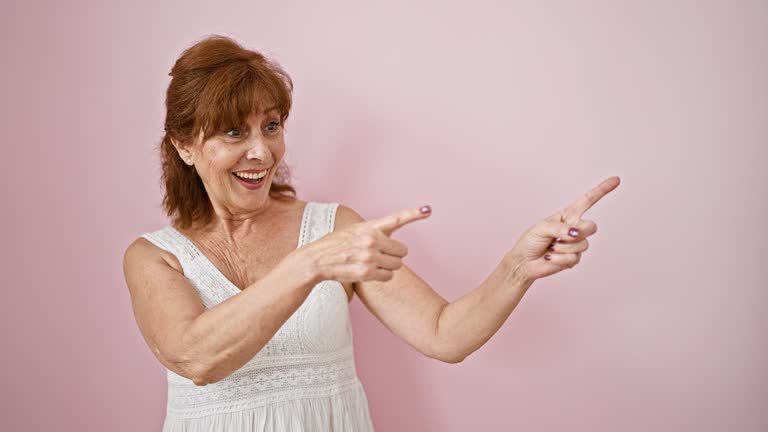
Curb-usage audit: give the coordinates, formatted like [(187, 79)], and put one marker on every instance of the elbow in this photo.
[(194, 371), (447, 356), (201, 380), (453, 359), (199, 372), (204, 377), (191, 364), (198, 375), (442, 347)]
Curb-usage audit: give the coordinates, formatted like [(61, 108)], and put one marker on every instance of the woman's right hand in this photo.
[(362, 251)]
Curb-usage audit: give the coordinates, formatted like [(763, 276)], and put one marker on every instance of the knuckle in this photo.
[(369, 240), (366, 256), (369, 271), (360, 269), (346, 257)]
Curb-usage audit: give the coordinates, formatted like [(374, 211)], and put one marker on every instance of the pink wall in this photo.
[(660, 327)]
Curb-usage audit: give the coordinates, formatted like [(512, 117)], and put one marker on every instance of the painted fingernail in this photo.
[(573, 232), (426, 209), (547, 257)]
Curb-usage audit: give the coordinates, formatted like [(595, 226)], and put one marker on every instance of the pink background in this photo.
[(496, 114)]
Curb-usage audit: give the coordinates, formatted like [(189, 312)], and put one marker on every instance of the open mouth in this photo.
[(251, 180)]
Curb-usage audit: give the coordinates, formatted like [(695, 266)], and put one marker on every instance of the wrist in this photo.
[(515, 270), (303, 263)]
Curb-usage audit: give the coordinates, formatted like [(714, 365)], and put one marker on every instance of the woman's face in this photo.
[(254, 148)]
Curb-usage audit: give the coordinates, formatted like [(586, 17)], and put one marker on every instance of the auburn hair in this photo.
[(216, 84)]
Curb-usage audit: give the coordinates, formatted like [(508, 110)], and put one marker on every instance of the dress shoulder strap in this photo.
[(169, 240), (320, 220)]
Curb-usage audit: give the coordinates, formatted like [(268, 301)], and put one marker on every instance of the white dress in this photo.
[(304, 379)]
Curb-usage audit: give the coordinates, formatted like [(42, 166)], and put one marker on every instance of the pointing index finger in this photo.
[(391, 223), (586, 201)]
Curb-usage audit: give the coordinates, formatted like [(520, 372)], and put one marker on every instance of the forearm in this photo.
[(468, 323), (225, 337)]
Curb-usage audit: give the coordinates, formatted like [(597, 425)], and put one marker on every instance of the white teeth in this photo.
[(253, 176)]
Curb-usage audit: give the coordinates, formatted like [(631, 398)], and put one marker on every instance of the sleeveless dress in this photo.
[(304, 379)]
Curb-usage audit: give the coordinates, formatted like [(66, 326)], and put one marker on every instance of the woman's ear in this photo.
[(184, 153)]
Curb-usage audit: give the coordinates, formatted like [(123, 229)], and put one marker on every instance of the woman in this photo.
[(244, 297)]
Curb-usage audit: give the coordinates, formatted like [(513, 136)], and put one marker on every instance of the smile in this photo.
[(251, 176), (251, 181)]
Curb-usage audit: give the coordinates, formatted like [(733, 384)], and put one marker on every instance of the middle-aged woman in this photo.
[(244, 296)]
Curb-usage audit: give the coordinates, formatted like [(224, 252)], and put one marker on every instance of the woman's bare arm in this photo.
[(411, 309), (450, 331), (208, 345)]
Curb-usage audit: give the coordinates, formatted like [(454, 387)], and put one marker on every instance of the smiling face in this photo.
[(247, 150)]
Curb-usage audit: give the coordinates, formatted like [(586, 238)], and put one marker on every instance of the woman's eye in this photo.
[(237, 135), (273, 126)]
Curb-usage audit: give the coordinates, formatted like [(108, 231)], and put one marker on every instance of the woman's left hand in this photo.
[(548, 246)]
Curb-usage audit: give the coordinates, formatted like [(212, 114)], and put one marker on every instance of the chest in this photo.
[(248, 262), (252, 259)]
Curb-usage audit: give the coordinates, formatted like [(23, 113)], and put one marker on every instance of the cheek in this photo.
[(279, 149), (218, 157)]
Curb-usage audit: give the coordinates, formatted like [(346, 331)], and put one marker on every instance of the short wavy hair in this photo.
[(216, 84)]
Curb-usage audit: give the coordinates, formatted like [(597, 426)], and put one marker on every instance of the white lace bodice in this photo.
[(310, 357)]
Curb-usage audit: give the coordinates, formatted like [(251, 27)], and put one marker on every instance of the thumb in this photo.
[(393, 222)]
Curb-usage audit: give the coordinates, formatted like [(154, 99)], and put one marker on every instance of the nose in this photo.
[(258, 149)]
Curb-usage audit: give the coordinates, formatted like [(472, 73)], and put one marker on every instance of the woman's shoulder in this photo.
[(346, 215), (143, 250)]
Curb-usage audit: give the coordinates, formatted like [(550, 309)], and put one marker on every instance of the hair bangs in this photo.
[(235, 93)]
